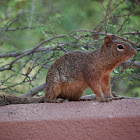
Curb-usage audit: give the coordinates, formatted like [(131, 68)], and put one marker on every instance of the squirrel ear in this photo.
[(107, 40), (113, 37)]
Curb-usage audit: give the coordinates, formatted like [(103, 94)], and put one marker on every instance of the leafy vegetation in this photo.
[(26, 25)]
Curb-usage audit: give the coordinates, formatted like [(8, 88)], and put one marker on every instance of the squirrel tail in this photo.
[(11, 99)]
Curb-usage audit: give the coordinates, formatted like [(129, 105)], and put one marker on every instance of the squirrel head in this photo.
[(118, 50)]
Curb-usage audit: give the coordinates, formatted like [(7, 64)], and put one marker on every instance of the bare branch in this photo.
[(104, 18), (15, 54), (41, 49), (29, 52), (127, 18), (93, 97), (131, 33), (34, 91)]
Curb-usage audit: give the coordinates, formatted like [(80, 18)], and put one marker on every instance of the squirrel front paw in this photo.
[(103, 99)]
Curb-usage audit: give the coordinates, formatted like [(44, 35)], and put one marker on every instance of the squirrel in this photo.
[(75, 71)]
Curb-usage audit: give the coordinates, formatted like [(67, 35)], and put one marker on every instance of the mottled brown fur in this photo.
[(73, 72)]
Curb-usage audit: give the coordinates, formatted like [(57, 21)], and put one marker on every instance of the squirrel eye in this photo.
[(120, 47)]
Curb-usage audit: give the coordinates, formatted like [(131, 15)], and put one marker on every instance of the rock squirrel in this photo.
[(75, 71)]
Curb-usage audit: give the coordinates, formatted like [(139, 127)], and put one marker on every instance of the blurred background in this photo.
[(24, 24)]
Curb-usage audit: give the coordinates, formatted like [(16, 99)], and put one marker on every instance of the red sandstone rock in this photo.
[(116, 120)]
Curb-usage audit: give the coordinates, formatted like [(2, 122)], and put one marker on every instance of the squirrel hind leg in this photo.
[(51, 93)]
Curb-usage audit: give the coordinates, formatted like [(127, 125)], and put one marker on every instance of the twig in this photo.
[(128, 41), (127, 18), (107, 15), (34, 91), (131, 33), (93, 97), (41, 49), (29, 52)]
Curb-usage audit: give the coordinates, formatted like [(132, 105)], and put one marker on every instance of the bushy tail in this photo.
[(11, 99)]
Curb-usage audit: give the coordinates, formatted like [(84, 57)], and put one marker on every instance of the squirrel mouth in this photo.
[(134, 52), (130, 57)]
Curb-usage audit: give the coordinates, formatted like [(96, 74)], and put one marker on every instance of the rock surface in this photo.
[(87, 120)]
